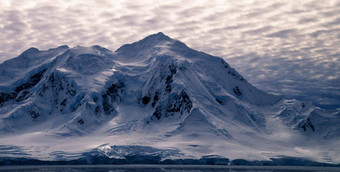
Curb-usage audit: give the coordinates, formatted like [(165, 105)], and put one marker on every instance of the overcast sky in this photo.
[(289, 47)]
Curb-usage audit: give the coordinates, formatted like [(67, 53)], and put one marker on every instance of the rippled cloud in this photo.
[(283, 47)]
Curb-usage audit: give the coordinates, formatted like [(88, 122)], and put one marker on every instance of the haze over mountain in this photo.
[(157, 98)]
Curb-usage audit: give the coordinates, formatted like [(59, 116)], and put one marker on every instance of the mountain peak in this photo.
[(160, 33), (155, 39), (145, 44), (160, 36), (31, 50)]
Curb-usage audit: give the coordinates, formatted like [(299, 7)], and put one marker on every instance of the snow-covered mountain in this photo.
[(154, 97)]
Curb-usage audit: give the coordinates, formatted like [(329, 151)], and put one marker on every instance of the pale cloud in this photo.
[(284, 47)]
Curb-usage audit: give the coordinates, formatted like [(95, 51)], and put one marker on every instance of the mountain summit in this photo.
[(156, 97)]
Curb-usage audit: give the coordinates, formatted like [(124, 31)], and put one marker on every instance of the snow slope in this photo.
[(152, 97)]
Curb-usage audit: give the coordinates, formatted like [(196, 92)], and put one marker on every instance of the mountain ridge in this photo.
[(157, 92)]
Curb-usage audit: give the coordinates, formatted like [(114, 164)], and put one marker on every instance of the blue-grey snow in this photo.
[(153, 97)]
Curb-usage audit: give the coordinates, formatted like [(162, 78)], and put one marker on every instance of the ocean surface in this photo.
[(167, 168)]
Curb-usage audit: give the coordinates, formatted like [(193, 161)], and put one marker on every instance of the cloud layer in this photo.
[(283, 47)]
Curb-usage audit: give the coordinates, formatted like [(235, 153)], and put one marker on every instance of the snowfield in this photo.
[(155, 100)]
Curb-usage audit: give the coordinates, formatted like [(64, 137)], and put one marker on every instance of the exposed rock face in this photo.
[(22, 91), (308, 125), (112, 95), (179, 103)]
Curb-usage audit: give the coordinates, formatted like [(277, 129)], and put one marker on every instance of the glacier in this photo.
[(152, 101)]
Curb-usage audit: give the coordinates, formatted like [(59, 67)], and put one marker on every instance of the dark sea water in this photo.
[(165, 168)]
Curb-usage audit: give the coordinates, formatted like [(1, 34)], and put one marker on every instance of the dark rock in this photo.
[(308, 124), (168, 83), (52, 79), (173, 69), (115, 90), (237, 91), (179, 103), (158, 113), (80, 121), (169, 78), (31, 82), (34, 114), (146, 99), (232, 73), (219, 101), (225, 65), (22, 96), (4, 97), (22, 89), (155, 99), (63, 103), (107, 107), (97, 110), (71, 92), (76, 107), (112, 95)]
